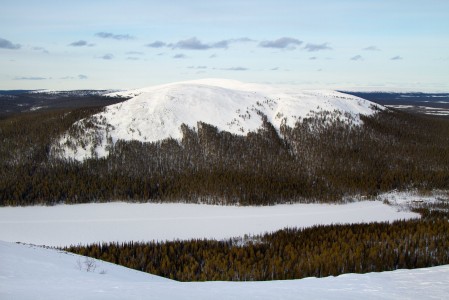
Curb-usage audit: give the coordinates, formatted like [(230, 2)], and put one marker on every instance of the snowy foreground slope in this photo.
[(157, 113), (30, 272), (64, 225)]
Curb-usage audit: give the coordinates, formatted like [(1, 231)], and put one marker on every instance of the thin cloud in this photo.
[(235, 69), (109, 35), (30, 78), (274, 69), (397, 57), (190, 44), (80, 76), (195, 44), (356, 58), (281, 43), (134, 53), (241, 40), (371, 48), (5, 44), (81, 43), (107, 56), (213, 55), (224, 44), (156, 44), (179, 56), (41, 49), (317, 47), (132, 58), (313, 58), (197, 67)]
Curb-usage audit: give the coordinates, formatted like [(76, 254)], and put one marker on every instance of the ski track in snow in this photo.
[(63, 225), (30, 272)]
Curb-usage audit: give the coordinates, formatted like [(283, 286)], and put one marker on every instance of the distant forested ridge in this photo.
[(321, 159), (16, 101), (436, 100)]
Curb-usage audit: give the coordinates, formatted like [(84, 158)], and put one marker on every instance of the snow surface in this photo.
[(63, 225), (30, 272), (405, 200), (157, 113)]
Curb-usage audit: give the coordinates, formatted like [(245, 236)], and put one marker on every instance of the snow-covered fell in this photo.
[(157, 113), (30, 272)]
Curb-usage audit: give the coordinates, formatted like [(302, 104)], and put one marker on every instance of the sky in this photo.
[(112, 44)]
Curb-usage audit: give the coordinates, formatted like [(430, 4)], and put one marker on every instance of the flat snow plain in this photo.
[(64, 225), (29, 272)]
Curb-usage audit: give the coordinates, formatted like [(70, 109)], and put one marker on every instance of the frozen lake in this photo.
[(63, 225)]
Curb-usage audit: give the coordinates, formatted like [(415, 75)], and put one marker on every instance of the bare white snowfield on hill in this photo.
[(30, 272), (157, 112), (63, 225)]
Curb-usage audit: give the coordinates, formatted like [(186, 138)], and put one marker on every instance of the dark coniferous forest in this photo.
[(322, 159)]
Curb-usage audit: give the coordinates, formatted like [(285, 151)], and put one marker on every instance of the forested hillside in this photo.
[(321, 159)]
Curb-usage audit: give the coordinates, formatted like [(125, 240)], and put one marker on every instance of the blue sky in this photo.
[(347, 44)]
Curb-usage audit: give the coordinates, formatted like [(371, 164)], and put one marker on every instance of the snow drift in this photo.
[(29, 272)]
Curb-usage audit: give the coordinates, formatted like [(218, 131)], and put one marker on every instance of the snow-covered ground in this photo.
[(405, 200), (29, 272), (32, 272), (63, 225), (157, 112)]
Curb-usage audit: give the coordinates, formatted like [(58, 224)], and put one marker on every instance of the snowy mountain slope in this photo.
[(30, 272), (157, 112)]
